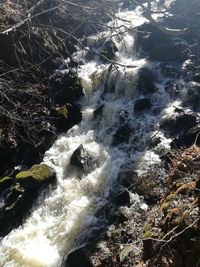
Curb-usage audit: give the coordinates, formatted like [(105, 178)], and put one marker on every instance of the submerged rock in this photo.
[(82, 159), (109, 50), (142, 104), (122, 134), (36, 176), (146, 80)]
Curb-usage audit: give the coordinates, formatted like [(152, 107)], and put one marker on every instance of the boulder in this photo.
[(169, 52), (99, 111), (108, 51), (82, 159), (146, 79), (142, 104), (122, 198), (66, 116), (178, 124), (78, 258), (193, 95), (64, 87), (16, 202), (5, 182), (122, 134), (36, 176), (158, 45)]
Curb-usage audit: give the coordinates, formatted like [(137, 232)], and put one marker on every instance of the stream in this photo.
[(65, 214)]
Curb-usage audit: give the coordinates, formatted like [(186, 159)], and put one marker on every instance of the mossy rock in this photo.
[(63, 111), (5, 182), (38, 174)]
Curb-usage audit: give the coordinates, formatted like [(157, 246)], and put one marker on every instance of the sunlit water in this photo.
[(51, 230)]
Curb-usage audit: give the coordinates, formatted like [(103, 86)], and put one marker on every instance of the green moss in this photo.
[(5, 179), (40, 172), (148, 234), (62, 111)]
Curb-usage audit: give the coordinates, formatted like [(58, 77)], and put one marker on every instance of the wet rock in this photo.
[(99, 111), (154, 141), (159, 45), (109, 50), (122, 134), (149, 36), (78, 258), (193, 95), (170, 70), (66, 116), (122, 198), (36, 176), (180, 123), (64, 87), (146, 80), (169, 52), (82, 159), (188, 139), (123, 116), (15, 204), (196, 77), (5, 182), (142, 104)]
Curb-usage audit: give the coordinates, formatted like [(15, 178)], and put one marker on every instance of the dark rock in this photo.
[(180, 123), (66, 116), (122, 198), (78, 258), (99, 111), (170, 71), (16, 202), (142, 104), (168, 52), (149, 36), (154, 141), (64, 87), (193, 95), (109, 50), (159, 45), (122, 135), (196, 77), (82, 159), (123, 116), (188, 139), (5, 183), (146, 80)]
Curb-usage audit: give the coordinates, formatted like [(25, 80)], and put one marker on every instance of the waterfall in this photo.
[(66, 209)]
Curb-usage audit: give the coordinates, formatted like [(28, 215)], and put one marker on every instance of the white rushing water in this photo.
[(52, 228)]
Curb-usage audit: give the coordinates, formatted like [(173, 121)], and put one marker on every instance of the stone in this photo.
[(122, 134), (193, 95), (142, 104), (122, 198), (99, 111), (109, 50), (146, 80), (78, 258), (179, 123), (5, 182), (82, 159), (64, 87), (66, 116), (36, 176)]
